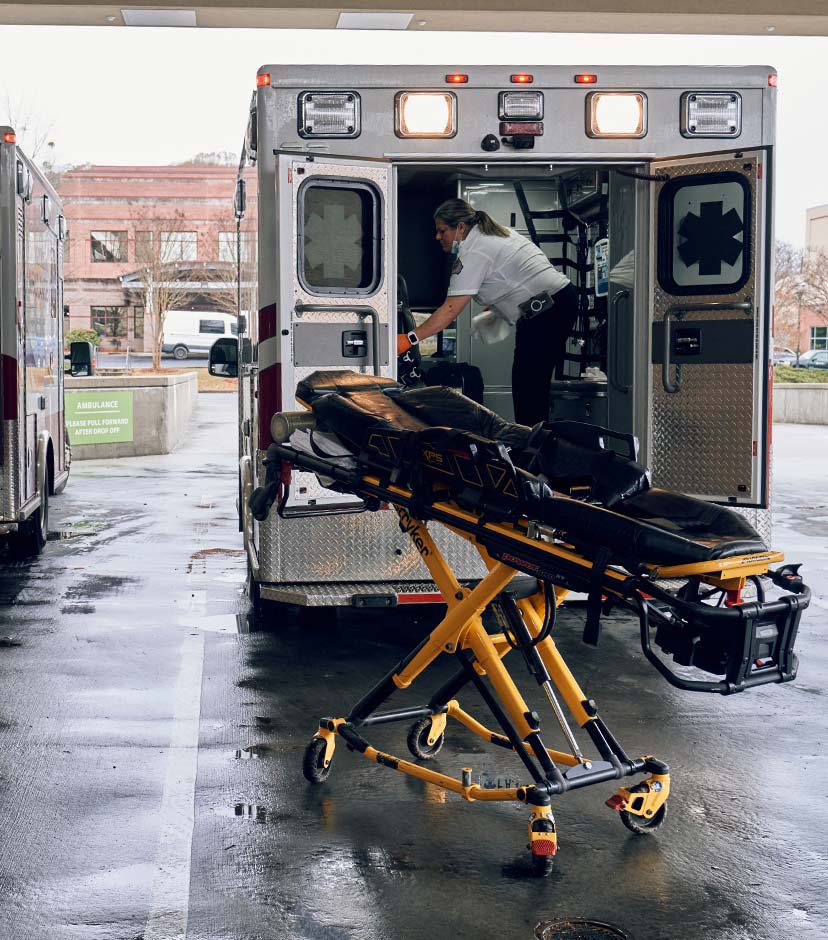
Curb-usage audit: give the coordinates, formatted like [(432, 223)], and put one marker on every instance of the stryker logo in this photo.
[(411, 527)]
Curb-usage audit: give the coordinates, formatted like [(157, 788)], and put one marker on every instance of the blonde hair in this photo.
[(454, 211)]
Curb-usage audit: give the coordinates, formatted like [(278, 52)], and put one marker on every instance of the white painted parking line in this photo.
[(171, 884)]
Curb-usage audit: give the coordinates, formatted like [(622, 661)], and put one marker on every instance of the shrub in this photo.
[(789, 374), (83, 336)]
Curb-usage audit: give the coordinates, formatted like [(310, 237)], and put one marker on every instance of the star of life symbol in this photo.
[(710, 238), (333, 241)]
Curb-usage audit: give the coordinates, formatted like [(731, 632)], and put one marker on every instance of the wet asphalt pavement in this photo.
[(152, 731)]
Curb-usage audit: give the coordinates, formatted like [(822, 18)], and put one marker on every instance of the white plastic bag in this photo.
[(489, 327)]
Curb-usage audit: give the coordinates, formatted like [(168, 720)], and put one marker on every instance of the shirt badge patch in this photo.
[(457, 267)]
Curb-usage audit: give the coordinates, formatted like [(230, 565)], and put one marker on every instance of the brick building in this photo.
[(120, 217), (813, 326)]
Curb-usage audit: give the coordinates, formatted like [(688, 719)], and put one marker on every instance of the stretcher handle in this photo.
[(362, 311), (284, 423), (678, 311)]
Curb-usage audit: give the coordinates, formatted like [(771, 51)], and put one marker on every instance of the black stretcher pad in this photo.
[(435, 434)]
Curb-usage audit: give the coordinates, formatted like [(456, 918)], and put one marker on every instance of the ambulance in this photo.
[(35, 452), (649, 187)]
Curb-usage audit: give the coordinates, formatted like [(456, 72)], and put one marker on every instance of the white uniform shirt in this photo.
[(502, 272)]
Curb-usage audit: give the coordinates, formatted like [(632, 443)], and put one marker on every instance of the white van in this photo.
[(193, 332)]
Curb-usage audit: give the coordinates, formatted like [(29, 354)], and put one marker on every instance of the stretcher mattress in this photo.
[(580, 479)]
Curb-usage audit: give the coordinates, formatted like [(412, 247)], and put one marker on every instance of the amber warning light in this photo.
[(9, 139), (586, 79), (263, 79), (521, 79), (457, 78)]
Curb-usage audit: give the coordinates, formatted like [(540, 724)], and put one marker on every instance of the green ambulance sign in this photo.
[(99, 417)]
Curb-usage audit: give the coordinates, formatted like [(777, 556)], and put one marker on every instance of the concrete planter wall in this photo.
[(161, 410), (805, 403)]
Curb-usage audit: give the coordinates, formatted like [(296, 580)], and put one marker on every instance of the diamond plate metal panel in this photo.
[(360, 547), (342, 593), (702, 438), (10, 486)]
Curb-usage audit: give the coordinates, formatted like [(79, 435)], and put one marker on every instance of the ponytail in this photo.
[(454, 211)]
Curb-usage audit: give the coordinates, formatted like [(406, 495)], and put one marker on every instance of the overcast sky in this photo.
[(156, 96)]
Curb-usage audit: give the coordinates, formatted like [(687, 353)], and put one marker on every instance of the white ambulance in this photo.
[(649, 187), (35, 453)]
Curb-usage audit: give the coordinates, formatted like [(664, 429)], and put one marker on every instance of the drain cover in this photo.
[(579, 930)]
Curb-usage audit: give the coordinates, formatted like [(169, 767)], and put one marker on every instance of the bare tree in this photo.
[(791, 291), (34, 134), (165, 251)]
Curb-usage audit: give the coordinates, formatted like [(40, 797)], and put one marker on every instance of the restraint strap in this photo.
[(592, 627)]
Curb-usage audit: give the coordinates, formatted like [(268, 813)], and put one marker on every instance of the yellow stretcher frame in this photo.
[(509, 547)]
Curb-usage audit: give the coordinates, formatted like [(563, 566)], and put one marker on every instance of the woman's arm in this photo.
[(442, 317)]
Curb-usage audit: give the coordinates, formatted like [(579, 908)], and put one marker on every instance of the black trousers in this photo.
[(540, 344)]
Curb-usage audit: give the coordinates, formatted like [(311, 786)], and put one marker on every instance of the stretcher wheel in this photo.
[(418, 740), (639, 824), (313, 764)]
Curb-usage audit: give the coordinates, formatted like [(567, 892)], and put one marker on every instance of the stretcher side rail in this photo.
[(749, 644)]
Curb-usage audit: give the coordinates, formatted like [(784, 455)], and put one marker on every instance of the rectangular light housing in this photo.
[(425, 114), (329, 114), (616, 114), (520, 105), (706, 114)]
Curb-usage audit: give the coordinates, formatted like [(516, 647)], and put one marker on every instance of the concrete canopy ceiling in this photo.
[(713, 17)]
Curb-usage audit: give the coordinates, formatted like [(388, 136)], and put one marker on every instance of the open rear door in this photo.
[(708, 429), (336, 255)]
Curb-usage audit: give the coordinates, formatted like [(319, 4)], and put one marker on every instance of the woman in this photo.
[(507, 272)]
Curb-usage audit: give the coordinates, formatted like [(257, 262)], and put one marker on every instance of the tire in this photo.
[(640, 825), (30, 538), (180, 352), (417, 740), (313, 764)]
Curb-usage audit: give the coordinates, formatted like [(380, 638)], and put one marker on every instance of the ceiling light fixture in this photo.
[(159, 17)]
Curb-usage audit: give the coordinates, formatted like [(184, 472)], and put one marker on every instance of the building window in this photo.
[(109, 246), (227, 246), (211, 326), (819, 337), (143, 246), (179, 246), (109, 321), (138, 322)]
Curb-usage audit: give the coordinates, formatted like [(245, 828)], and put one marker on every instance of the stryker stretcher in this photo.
[(566, 504)]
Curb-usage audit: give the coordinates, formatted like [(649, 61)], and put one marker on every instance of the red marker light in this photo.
[(586, 79), (263, 79), (9, 139), (773, 80), (457, 79), (521, 79)]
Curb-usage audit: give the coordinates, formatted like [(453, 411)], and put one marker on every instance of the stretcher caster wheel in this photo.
[(313, 766), (418, 740), (641, 825)]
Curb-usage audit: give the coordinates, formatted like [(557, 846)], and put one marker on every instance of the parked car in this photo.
[(814, 359), (193, 332), (782, 356)]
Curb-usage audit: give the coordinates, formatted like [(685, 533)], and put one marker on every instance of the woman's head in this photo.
[(455, 218)]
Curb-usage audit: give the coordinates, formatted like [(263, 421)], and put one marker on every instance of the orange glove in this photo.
[(403, 344)]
